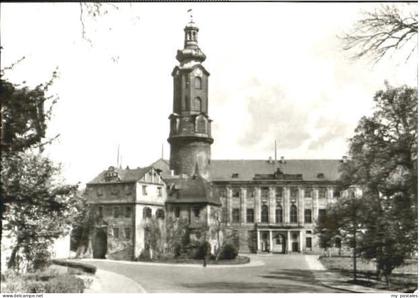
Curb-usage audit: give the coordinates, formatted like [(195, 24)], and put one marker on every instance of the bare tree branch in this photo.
[(381, 32)]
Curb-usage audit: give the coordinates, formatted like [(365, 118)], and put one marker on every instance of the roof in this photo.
[(223, 169), (124, 175), (190, 189), (310, 169)]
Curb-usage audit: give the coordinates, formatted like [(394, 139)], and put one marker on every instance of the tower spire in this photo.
[(191, 15)]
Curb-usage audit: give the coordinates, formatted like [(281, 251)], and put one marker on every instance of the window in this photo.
[(250, 215), (322, 214), (144, 188), (336, 193), (322, 192), (100, 211), (116, 232), (235, 193), (309, 242), (99, 191), (147, 212), (177, 212), (250, 192), (293, 214), (197, 83), (308, 192), (196, 211), (279, 192), (160, 214), (128, 211), (224, 214), (159, 190), (235, 215), (222, 192), (127, 233), (116, 212), (235, 175), (197, 104), (265, 192), (293, 193), (200, 125), (279, 214), (264, 213), (308, 216)]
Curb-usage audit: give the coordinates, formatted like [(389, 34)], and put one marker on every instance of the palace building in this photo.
[(266, 205)]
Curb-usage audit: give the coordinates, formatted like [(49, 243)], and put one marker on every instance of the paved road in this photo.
[(279, 274)]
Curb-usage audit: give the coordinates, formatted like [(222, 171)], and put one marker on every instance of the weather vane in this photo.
[(191, 15)]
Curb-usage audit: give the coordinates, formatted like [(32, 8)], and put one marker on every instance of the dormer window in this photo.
[(111, 174), (320, 176), (235, 175)]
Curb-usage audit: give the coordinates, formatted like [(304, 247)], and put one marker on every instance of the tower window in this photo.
[(201, 124), (197, 83), (197, 104)]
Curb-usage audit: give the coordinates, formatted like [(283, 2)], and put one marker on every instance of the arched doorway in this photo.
[(279, 243), (100, 243)]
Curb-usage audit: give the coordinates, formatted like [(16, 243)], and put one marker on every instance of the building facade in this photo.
[(267, 205), (122, 201)]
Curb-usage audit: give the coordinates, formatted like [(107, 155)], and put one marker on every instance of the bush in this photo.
[(228, 252), (202, 250), (85, 267), (42, 282), (65, 283)]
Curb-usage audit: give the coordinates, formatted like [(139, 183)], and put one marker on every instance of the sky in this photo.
[(277, 72)]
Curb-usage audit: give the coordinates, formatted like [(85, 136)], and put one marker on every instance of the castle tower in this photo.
[(190, 126)]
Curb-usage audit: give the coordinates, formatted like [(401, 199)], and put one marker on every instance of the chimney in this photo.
[(344, 158), (172, 172), (282, 159), (270, 159)]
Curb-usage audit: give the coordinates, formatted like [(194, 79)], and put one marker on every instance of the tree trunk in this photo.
[(12, 261), (354, 257)]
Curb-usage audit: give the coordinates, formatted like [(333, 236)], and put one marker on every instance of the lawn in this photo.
[(403, 279)]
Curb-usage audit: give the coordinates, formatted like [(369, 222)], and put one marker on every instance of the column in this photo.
[(301, 240), (289, 242), (271, 240), (243, 205), (257, 208), (315, 195), (301, 206), (286, 207), (229, 204), (272, 205), (258, 241), (330, 192)]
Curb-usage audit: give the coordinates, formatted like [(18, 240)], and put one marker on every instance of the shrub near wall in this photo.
[(42, 282)]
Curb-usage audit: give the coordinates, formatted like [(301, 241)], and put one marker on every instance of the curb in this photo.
[(250, 264)]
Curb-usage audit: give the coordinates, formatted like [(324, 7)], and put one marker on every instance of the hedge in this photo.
[(85, 267)]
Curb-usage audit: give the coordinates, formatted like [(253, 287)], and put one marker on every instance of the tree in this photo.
[(38, 209), (35, 205), (343, 220), (384, 31), (384, 165)]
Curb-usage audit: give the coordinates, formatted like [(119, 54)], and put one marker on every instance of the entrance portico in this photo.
[(279, 240)]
